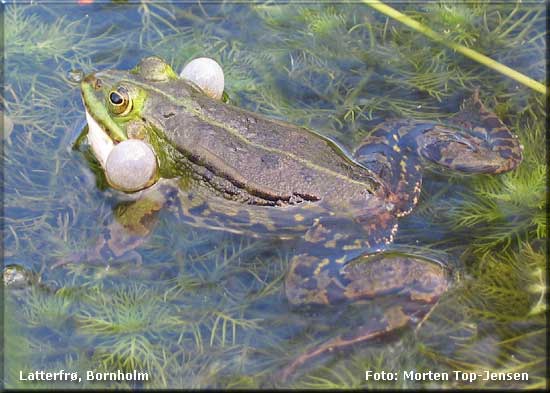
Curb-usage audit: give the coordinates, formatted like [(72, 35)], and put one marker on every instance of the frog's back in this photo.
[(270, 159)]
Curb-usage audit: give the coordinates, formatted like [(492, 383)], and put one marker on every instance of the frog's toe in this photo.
[(77, 257), (394, 318), (133, 257)]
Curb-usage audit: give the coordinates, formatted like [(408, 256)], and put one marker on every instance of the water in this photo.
[(207, 309)]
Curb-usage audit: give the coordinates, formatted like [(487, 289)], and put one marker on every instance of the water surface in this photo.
[(207, 309)]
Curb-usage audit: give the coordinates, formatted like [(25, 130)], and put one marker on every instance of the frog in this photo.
[(227, 168)]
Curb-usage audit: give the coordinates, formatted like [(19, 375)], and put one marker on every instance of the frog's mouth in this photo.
[(103, 131), (99, 140)]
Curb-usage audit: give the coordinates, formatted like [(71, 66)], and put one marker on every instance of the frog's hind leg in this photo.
[(415, 284), (395, 160), (330, 267), (394, 319), (475, 140), (316, 274)]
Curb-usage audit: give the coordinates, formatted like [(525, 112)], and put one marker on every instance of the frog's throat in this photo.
[(100, 142)]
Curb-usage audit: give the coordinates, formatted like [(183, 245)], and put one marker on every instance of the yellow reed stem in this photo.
[(472, 54)]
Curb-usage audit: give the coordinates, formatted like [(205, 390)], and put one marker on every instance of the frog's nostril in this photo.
[(93, 81)]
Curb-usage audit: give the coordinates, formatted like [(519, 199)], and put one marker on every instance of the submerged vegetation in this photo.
[(207, 309)]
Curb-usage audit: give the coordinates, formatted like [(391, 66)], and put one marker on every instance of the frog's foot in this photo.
[(394, 319), (476, 141), (415, 283), (94, 257), (132, 224), (77, 257)]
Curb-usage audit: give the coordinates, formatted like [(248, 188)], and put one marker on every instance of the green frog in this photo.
[(226, 168)]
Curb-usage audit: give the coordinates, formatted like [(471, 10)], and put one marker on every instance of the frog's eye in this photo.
[(119, 102)]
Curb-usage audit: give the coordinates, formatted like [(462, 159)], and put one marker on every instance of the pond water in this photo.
[(207, 309)]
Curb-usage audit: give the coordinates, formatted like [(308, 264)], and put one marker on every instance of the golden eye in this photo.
[(119, 102)]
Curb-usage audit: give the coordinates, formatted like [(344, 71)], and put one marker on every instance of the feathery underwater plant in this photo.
[(499, 212), (495, 320), (208, 312)]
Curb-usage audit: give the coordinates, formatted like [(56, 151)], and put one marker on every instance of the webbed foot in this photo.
[(416, 285), (394, 319), (131, 226), (475, 141), (94, 257)]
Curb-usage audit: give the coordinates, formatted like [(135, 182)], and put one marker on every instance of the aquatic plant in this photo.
[(154, 19), (43, 309), (501, 211), (127, 325), (451, 14), (44, 41), (502, 328), (39, 49), (207, 309), (17, 350)]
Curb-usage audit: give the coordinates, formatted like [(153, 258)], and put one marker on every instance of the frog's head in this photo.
[(114, 101)]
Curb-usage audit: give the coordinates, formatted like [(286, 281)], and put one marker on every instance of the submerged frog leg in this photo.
[(131, 226), (474, 140), (394, 319), (316, 270), (415, 284), (396, 162)]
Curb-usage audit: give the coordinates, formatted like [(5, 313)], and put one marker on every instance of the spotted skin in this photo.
[(394, 151), (415, 286), (342, 235), (473, 141)]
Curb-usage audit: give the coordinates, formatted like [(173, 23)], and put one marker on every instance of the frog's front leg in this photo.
[(131, 226), (415, 284)]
